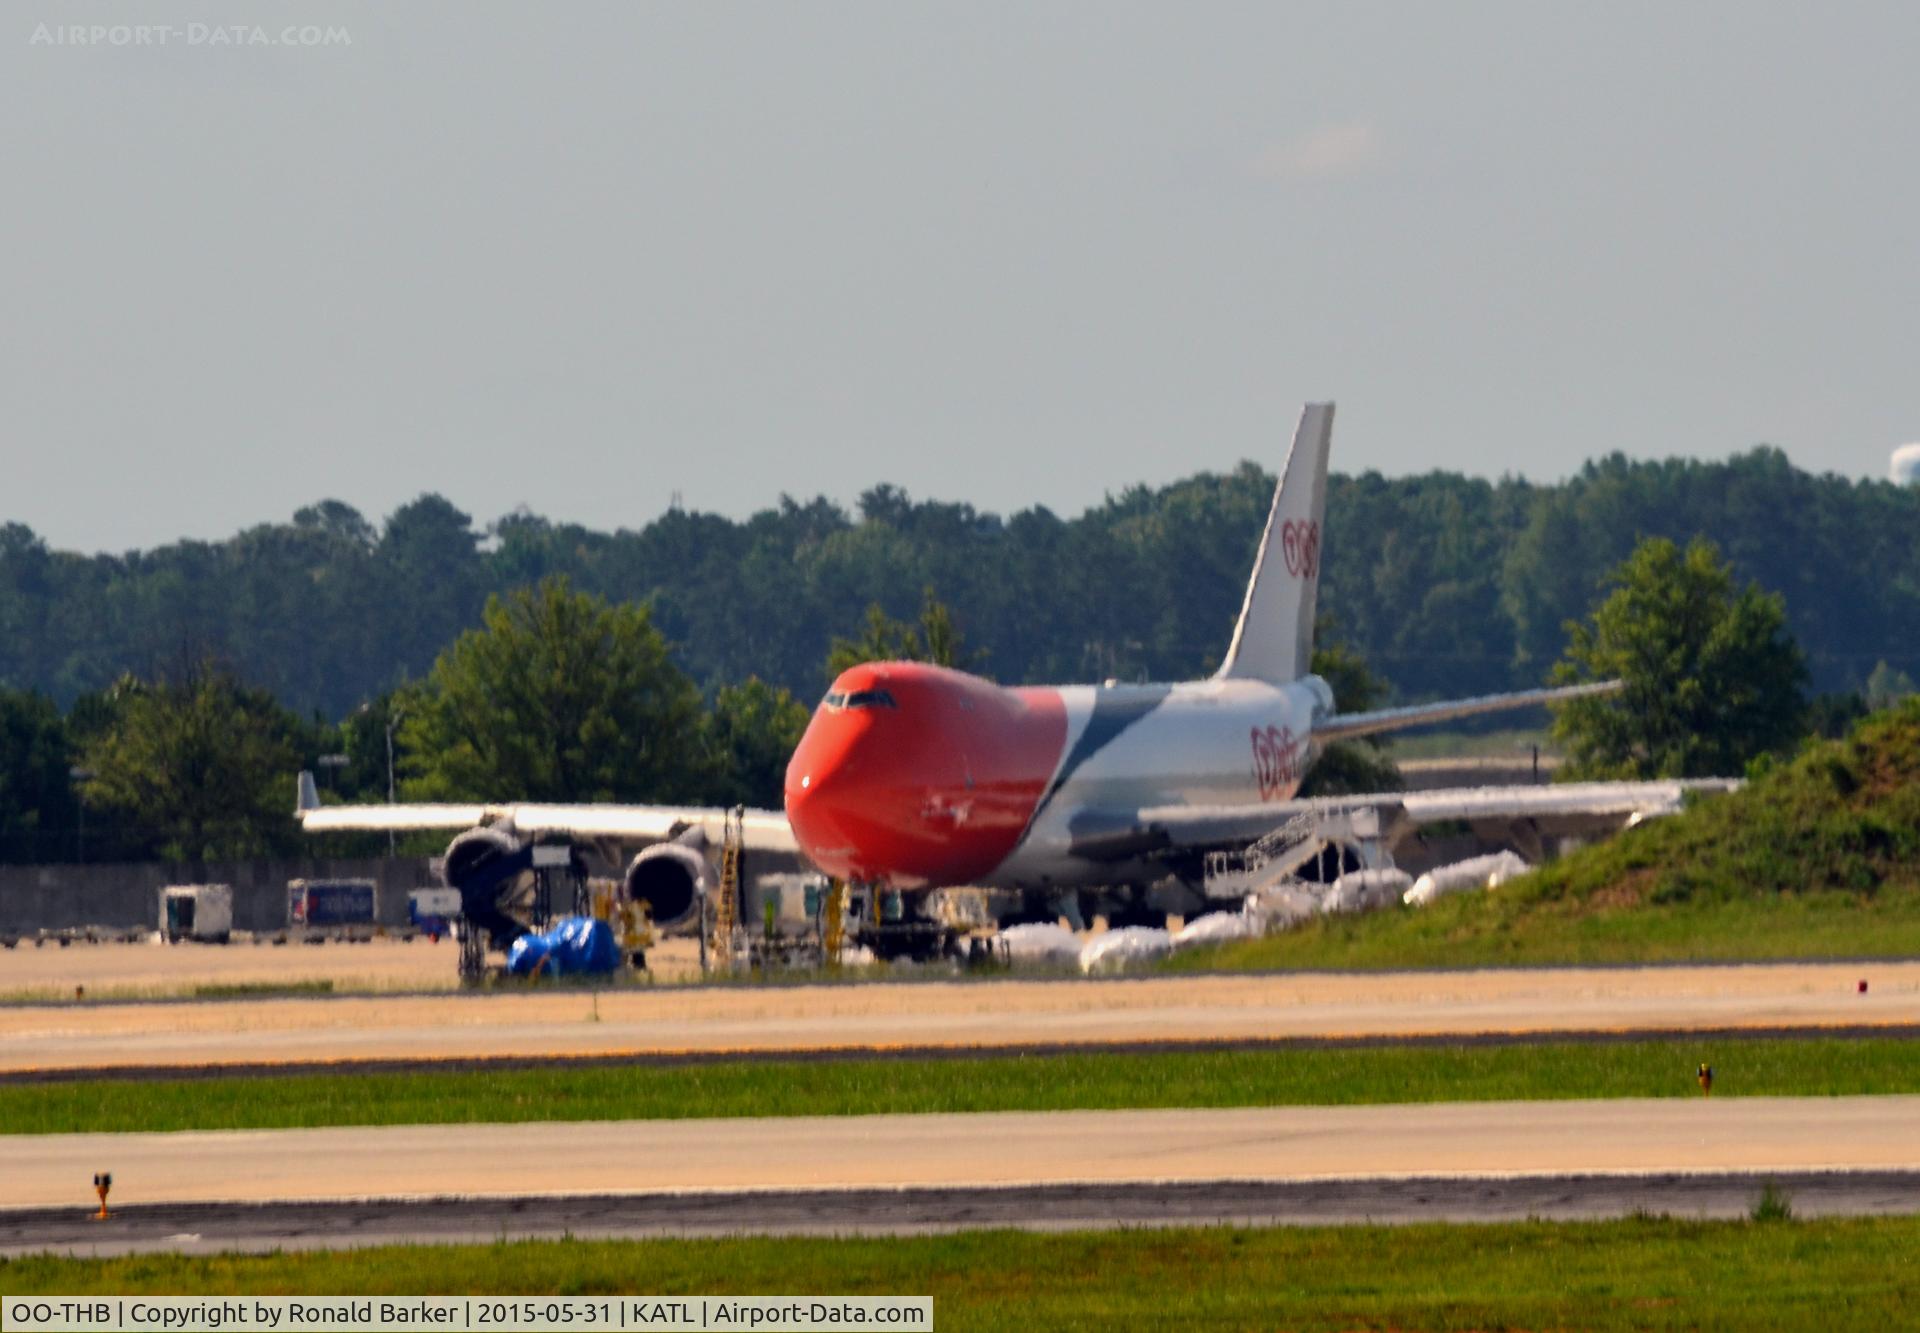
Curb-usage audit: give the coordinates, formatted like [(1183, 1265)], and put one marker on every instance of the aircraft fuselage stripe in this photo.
[(1114, 713)]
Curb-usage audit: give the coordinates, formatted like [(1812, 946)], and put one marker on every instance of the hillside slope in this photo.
[(1817, 857)]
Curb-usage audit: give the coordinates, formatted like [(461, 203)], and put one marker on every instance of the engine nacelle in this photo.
[(488, 866), (672, 878), (470, 850)]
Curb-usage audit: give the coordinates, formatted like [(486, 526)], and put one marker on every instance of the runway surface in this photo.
[(979, 1014), (213, 1228)]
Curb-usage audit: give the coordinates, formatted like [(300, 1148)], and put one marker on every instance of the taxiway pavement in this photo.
[(959, 1015), (1296, 1143)]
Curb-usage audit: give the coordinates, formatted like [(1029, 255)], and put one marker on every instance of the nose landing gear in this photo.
[(894, 925)]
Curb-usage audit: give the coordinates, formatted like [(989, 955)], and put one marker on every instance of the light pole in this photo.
[(78, 775), (393, 720)]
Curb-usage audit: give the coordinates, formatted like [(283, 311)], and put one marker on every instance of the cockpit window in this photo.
[(860, 699)]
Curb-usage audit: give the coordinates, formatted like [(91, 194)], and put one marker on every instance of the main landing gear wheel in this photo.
[(1137, 914), (919, 940)]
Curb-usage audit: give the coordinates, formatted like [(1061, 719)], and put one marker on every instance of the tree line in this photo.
[(1446, 585), (557, 696), (560, 696)]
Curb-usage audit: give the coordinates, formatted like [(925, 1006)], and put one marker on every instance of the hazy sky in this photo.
[(585, 257)]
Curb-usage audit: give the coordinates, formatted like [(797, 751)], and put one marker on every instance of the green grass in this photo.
[(1772, 1205), (259, 990), (1530, 922), (1308, 1076), (1636, 1273), (1818, 858)]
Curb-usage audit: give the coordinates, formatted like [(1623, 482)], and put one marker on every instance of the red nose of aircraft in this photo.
[(913, 775), (851, 778), (823, 797)]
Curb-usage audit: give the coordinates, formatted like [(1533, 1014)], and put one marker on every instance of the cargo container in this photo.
[(196, 912), (433, 910), (331, 907)]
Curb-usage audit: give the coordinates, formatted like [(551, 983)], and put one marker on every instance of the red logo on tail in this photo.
[(1276, 762), (1300, 543)]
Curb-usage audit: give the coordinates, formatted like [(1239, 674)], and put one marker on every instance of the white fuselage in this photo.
[(1132, 748)]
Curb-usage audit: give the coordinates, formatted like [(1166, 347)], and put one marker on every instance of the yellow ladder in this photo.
[(726, 908), (833, 927)]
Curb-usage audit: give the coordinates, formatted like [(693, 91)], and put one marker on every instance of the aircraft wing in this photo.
[(1343, 726), (1570, 806), (761, 830)]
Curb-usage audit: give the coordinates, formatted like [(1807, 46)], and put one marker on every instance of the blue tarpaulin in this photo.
[(576, 946)]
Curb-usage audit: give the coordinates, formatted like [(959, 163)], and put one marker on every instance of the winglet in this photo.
[(1274, 639), (307, 796)]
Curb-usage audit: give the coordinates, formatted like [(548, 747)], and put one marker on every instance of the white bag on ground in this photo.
[(1480, 872), (1513, 866), (1365, 890), (1283, 905), (1214, 928), (1119, 948), (1040, 942)]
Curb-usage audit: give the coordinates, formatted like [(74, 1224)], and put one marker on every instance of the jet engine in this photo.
[(470, 850), (493, 872), (673, 878)]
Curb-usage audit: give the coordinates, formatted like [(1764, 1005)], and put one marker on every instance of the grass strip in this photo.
[(257, 990), (1815, 858), (1307, 1076), (1524, 923), (1634, 1273)]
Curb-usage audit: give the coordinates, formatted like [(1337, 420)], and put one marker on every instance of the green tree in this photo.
[(1831, 716), (934, 639), (37, 799), (1712, 678), (1346, 768), (751, 733), (200, 767), (1887, 687), (559, 697), (362, 738), (1452, 586)]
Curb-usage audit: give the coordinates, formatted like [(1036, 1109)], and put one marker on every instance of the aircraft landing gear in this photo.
[(1138, 914), (898, 927), (922, 941)]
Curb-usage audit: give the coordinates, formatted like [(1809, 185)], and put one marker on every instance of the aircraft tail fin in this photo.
[(306, 795), (1274, 639)]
